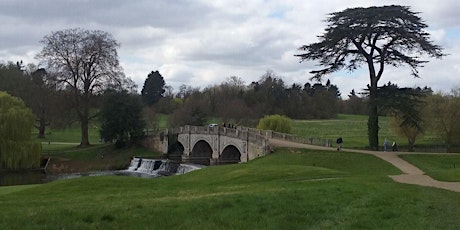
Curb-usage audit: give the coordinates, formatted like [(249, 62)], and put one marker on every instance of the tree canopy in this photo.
[(374, 37), (86, 63), (17, 150), (121, 117)]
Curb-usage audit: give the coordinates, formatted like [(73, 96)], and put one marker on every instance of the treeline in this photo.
[(415, 111), (49, 103), (233, 101)]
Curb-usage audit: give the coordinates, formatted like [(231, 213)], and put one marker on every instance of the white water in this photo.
[(159, 167)]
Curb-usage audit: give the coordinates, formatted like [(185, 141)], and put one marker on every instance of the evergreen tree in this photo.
[(375, 37), (153, 89)]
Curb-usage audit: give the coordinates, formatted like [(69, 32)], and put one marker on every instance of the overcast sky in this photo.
[(203, 42)]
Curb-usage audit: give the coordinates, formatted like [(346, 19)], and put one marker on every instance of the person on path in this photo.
[(394, 146), (339, 142), (385, 145)]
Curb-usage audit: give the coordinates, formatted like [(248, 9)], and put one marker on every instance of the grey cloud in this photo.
[(202, 41), (158, 13)]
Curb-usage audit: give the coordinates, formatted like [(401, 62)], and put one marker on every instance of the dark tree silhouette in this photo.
[(121, 117), (154, 88), (375, 37)]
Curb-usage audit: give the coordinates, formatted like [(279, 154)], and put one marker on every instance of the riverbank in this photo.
[(94, 158)]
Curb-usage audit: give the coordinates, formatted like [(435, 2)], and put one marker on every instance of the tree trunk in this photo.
[(42, 122), (41, 129), (411, 144), (373, 128), (373, 122), (84, 132)]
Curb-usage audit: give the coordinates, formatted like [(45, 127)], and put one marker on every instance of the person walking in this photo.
[(394, 146), (339, 142)]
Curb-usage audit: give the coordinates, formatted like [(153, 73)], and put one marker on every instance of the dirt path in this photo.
[(411, 174)]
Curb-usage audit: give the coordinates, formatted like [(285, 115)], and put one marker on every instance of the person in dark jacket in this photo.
[(339, 143)]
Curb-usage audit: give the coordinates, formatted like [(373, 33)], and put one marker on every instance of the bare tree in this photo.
[(87, 63), (441, 114)]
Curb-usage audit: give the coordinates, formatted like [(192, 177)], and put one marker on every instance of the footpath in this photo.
[(411, 174)]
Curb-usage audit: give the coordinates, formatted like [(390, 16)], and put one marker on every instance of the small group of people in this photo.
[(232, 126), (394, 146)]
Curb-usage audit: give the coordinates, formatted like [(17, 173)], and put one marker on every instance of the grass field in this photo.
[(70, 135), (290, 189), (353, 129)]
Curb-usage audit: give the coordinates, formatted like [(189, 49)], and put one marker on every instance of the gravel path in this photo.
[(411, 174)]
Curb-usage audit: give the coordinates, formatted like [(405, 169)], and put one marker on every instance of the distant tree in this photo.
[(355, 104), (405, 107), (442, 114), (30, 84), (13, 80), (277, 123), (268, 95), (43, 100), (375, 37), (325, 99), (185, 91), (121, 117), (295, 107), (193, 111), (151, 118), (153, 89), (17, 150), (87, 63)]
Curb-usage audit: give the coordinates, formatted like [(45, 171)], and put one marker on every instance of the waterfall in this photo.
[(159, 167), (134, 164)]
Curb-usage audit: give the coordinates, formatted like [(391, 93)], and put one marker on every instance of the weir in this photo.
[(159, 167)]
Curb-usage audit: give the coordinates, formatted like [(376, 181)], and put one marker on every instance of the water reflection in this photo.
[(22, 178), (145, 168)]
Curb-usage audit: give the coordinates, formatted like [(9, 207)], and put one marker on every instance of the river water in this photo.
[(145, 168)]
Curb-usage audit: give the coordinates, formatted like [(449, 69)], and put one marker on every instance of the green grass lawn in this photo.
[(70, 135), (353, 129), (441, 167), (290, 189)]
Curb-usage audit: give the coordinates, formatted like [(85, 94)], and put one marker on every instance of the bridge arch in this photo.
[(175, 151), (201, 153), (230, 155)]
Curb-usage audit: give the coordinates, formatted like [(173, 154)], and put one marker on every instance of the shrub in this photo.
[(277, 123)]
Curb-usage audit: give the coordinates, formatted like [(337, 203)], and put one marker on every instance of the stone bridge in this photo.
[(222, 145), (215, 145)]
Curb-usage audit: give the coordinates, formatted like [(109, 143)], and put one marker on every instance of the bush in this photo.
[(277, 123)]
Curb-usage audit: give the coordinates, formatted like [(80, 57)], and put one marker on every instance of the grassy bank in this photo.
[(440, 167), (290, 189), (95, 158)]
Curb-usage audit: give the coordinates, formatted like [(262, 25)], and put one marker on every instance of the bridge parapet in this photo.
[(219, 143), (240, 133), (288, 137), (251, 134)]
